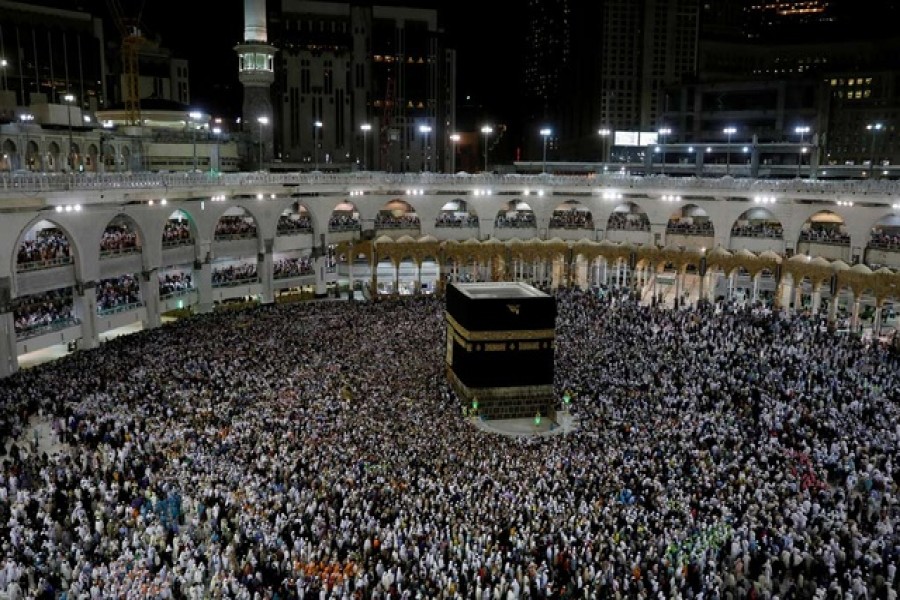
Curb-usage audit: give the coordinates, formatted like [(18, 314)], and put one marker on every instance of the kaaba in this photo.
[(500, 345)]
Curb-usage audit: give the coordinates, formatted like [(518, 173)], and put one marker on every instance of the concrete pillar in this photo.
[(265, 272), (756, 287), (701, 287), (319, 267), (9, 360), (150, 298), (350, 260), (679, 285), (879, 313), (85, 305), (798, 297), (854, 316), (833, 306), (816, 298), (604, 268), (203, 279), (698, 161), (418, 289), (787, 294)]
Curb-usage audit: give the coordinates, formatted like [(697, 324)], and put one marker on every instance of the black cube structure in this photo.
[(500, 344)]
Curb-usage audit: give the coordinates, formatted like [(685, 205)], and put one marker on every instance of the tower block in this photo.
[(256, 64), (500, 348)]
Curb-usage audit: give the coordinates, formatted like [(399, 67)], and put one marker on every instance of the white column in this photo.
[(787, 293), (319, 266), (816, 298), (418, 289), (854, 318), (85, 304), (833, 306), (604, 277), (203, 278), (679, 275), (756, 287), (265, 272), (350, 260), (150, 298), (9, 360), (879, 312)]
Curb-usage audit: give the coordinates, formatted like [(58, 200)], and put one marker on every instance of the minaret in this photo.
[(256, 60)]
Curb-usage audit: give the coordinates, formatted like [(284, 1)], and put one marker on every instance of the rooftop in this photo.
[(500, 289)]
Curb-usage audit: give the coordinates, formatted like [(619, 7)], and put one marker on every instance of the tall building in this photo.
[(256, 71), (646, 45), (341, 66), (602, 64), (47, 54)]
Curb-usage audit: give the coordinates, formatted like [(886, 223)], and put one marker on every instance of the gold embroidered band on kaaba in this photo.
[(500, 336)]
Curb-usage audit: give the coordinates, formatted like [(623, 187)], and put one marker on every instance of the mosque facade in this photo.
[(103, 252)]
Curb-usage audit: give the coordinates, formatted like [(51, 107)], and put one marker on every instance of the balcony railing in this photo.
[(119, 308), (119, 252), (49, 263), (235, 282), (37, 330)]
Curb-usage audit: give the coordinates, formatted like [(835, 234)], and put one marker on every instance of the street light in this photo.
[(663, 132), (365, 128), (318, 126), (69, 98), (802, 130), (25, 118), (425, 130), (604, 133), (486, 130), (545, 133), (873, 127), (454, 139), (217, 131), (262, 121), (729, 131), (192, 117)]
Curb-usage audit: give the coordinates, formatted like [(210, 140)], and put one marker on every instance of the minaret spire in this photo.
[(256, 64)]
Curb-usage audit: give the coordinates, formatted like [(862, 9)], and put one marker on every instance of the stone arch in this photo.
[(90, 158), (344, 217), (885, 232), (180, 229), (42, 222), (457, 213), (628, 216), (516, 214), (690, 220), (295, 219), (10, 156), (572, 214), (397, 214), (122, 235), (236, 222), (53, 157), (824, 227), (32, 156), (758, 222)]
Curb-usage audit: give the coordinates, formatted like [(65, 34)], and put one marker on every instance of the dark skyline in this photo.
[(488, 50)]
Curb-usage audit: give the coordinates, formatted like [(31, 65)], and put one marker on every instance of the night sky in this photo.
[(486, 41)]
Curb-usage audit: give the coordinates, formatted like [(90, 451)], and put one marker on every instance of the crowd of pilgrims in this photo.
[(628, 222), (37, 312), (230, 226), (887, 240), (49, 246), (824, 235), (233, 274), (758, 229), (117, 292), (177, 232), (690, 227), (571, 219), (315, 451), (118, 239)]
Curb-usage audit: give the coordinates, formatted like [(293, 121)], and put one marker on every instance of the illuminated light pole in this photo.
[(194, 116), (663, 132), (729, 131), (26, 118), (454, 139), (318, 126), (873, 127), (604, 133), (217, 131), (802, 130), (486, 130), (545, 133), (365, 128), (425, 130), (262, 121), (70, 99)]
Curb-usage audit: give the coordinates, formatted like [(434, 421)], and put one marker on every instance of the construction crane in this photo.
[(132, 40)]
